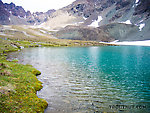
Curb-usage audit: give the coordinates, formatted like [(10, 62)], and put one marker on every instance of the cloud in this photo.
[(40, 5)]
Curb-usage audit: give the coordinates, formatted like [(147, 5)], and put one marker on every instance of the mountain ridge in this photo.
[(10, 14), (123, 20)]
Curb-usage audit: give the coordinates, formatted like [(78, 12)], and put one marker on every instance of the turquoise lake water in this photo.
[(92, 79)]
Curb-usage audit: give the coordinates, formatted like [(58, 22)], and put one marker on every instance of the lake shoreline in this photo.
[(8, 89)]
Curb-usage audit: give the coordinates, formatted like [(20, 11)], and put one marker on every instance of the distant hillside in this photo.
[(105, 33), (83, 33)]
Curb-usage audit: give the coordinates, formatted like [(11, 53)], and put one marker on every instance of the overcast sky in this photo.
[(40, 5)]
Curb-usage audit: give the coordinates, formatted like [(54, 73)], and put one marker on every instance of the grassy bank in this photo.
[(18, 84)]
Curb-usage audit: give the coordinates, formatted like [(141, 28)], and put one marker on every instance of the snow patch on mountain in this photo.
[(141, 26), (136, 1), (135, 43), (95, 23), (43, 31), (127, 22), (84, 18), (25, 33)]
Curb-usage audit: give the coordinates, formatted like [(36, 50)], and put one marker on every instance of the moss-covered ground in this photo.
[(18, 84)]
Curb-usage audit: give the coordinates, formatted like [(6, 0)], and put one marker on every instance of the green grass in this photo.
[(18, 84), (18, 88)]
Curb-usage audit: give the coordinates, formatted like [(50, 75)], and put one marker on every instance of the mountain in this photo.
[(10, 14), (98, 20), (117, 19), (106, 11), (110, 11), (123, 20)]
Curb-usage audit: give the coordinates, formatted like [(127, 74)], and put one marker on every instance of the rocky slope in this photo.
[(83, 33), (16, 15), (110, 11)]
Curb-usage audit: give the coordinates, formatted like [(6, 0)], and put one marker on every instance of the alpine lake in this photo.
[(91, 79)]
